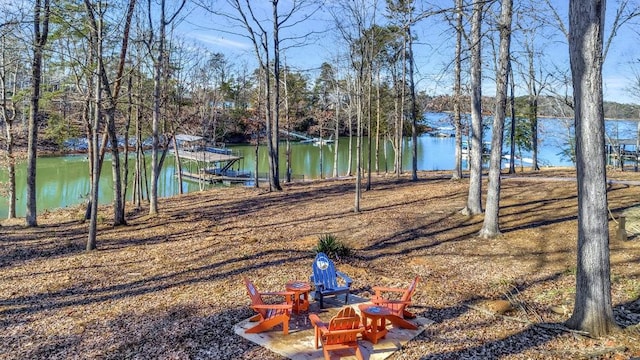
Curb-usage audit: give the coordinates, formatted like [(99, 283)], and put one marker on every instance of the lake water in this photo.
[(63, 181)]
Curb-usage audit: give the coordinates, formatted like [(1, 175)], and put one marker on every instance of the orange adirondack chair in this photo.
[(397, 306), (269, 315), (340, 333)]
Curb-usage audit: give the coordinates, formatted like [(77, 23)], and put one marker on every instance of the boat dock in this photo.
[(623, 151), (208, 156), (212, 178), (208, 164)]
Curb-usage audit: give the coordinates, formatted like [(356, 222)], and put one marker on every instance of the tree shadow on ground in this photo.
[(536, 334), (627, 315), (511, 345), (182, 331), (83, 294), (22, 243)]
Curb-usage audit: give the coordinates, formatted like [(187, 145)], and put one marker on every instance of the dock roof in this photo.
[(188, 138), (207, 156)]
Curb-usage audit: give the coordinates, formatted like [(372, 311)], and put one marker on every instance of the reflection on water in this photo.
[(64, 181)]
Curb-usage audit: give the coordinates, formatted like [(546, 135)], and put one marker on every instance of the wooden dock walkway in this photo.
[(211, 178)]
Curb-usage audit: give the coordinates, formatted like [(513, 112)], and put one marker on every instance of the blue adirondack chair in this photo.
[(325, 279)]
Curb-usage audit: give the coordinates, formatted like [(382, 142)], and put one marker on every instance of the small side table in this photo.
[(374, 321), (301, 291)]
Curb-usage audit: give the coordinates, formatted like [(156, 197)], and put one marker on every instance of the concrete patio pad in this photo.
[(299, 344)]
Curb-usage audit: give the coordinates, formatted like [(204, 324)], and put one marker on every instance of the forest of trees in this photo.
[(119, 72), (549, 106)]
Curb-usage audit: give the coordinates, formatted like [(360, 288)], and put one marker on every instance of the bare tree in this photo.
[(512, 127), (41, 12), (593, 311), (337, 106), (111, 90), (457, 91), (95, 14), (95, 124), (532, 26), (474, 198), (490, 226), (352, 19), (10, 67), (159, 69), (404, 10), (267, 45)]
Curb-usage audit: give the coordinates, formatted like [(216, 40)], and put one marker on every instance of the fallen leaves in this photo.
[(170, 286)]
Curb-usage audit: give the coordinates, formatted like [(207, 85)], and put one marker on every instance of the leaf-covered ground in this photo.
[(170, 286)]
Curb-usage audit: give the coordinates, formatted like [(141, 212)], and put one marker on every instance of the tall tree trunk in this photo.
[(288, 127), (87, 117), (112, 97), (263, 81), (593, 310), (512, 132), (378, 118), (384, 151), (358, 189), (118, 205), (155, 118), (11, 166), (403, 100), (178, 165), (9, 115), (274, 136), (533, 112), (337, 131), (350, 151), (95, 153), (397, 139), (11, 169), (40, 35), (321, 147), (457, 89), (414, 111), (268, 113), (158, 76), (93, 115), (256, 179), (369, 114), (139, 149), (474, 199), (490, 227), (127, 126)]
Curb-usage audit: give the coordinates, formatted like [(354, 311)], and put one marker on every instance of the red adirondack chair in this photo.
[(269, 315), (397, 306), (341, 332)]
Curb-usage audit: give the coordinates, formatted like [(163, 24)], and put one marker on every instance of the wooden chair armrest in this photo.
[(388, 289), (274, 306), (316, 322), (344, 277), (342, 332), (394, 302), (278, 293)]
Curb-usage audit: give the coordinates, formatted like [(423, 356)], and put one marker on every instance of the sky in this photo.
[(434, 48)]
